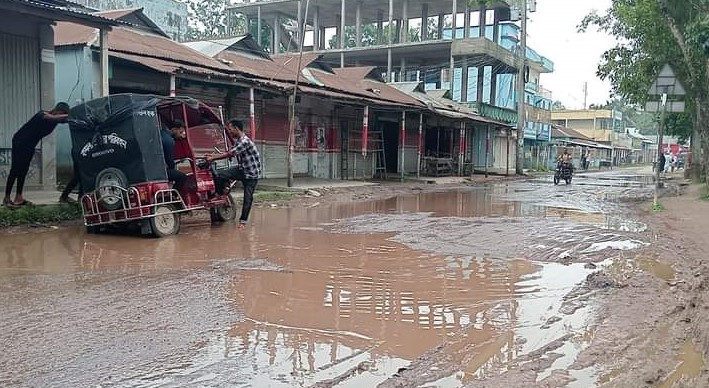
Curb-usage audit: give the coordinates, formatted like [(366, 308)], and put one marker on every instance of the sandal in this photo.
[(23, 203), (8, 204)]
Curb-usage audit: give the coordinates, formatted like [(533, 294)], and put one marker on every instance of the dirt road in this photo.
[(512, 284)]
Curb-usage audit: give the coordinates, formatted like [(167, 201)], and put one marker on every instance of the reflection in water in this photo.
[(318, 304)]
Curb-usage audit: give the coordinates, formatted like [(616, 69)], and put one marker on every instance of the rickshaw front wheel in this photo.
[(166, 221), (225, 212)]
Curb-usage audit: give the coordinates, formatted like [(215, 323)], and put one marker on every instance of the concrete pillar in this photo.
[(258, 25), (405, 22), (424, 22), (358, 24), (390, 30), (338, 34), (343, 38), (103, 60), (496, 26), (493, 88), (173, 86), (316, 29), (390, 39), (276, 35), (441, 20), (402, 70), (380, 27), (464, 81), (466, 21), (47, 95), (300, 24), (482, 21), (454, 12), (481, 83)]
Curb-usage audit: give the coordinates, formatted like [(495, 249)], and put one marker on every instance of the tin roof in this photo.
[(58, 11), (135, 17), (212, 47), (439, 102), (128, 40)]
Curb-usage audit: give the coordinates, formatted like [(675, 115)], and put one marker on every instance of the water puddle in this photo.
[(625, 267), (354, 293), (691, 362)]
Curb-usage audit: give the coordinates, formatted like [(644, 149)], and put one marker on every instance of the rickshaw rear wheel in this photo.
[(111, 197), (224, 213), (166, 221)]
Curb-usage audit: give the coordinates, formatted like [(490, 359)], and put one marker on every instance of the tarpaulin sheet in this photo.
[(120, 131)]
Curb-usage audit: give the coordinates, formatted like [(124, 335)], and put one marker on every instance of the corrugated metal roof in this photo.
[(213, 47), (62, 11), (141, 43), (443, 105), (135, 17)]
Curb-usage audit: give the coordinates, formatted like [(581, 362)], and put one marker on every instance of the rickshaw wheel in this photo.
[(166, 222), (111, 197), (224, 213)]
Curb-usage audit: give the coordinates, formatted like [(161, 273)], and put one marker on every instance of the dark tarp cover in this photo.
[(120, 131)]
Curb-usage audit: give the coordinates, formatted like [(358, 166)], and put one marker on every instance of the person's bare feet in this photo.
[(241, 226)]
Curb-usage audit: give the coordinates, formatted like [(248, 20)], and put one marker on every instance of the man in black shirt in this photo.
[(168, 137), (23, 144)]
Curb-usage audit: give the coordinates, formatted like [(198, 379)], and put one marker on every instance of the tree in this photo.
[(557, 105), (207, 19), (651, 33)]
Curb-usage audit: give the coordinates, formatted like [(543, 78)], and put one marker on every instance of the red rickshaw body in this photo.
[(119, 198)]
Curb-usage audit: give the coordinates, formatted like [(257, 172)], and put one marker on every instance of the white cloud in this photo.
[(552, 32)]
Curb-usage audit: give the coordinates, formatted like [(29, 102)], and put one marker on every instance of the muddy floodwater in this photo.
[(345, 295)]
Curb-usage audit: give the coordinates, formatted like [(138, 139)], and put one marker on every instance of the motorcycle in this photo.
[(564, 172)]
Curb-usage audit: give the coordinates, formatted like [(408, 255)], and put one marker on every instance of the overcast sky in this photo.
[(552, 33)]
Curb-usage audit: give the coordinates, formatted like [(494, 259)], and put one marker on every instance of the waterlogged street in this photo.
[(498, 285)]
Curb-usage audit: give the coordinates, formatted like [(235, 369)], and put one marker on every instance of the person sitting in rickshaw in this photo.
[(169, 137)]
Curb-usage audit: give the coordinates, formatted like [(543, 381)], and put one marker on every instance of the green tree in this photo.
[(651, 33), (207, 19), (557, 105)]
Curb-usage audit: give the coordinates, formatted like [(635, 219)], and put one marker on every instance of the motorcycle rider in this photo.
[(565, 160)]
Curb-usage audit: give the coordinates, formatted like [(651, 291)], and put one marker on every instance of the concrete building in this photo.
[(601, 125), (455, 45), (27, 66), (169, 15)]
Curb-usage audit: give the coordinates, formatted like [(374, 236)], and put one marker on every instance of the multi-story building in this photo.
[(468, 49), (602, 125), (169, 15)]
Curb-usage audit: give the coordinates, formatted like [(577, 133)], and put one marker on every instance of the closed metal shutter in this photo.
[(19, 97)]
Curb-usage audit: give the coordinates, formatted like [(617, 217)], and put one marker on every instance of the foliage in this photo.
[(651, 33), (208, 20), (41, 215), (557, 105), (272, 196), (658, 207)]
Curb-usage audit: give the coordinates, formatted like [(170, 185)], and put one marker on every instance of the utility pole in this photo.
[(292, 99), (521, 85), (585, 94)]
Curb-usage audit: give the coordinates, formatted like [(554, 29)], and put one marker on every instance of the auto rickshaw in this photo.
[(117, 146)]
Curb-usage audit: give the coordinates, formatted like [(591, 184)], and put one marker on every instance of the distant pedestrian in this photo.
[(661, 164), (24, 142), (248, 168)]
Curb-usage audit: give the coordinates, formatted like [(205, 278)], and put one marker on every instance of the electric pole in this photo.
[(521, 85), (585, 94)]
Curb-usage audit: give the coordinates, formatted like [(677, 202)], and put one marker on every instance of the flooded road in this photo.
[(430, 289)]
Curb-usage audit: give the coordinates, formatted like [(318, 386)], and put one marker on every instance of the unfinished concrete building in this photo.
[(473, 55)]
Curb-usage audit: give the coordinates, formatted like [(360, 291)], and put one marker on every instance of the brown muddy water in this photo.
[(348, 293)]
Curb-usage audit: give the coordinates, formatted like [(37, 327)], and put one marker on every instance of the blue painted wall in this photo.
[(74, 72)]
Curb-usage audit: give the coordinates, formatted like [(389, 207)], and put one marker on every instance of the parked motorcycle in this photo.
[(564, 171)]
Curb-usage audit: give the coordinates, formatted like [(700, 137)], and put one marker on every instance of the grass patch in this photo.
[(704, 193), (657, 207), (45, 214), (273, 196)]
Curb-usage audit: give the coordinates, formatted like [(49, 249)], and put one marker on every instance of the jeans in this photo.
[(235, 174)]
